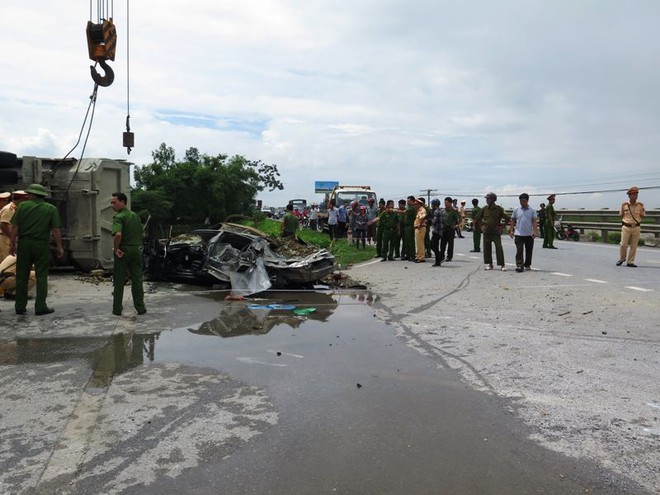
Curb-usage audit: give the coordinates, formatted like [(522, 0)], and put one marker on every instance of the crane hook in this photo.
[(105, 80)]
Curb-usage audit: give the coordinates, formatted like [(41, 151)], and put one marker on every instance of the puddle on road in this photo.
[(349, 393), (108, 357)]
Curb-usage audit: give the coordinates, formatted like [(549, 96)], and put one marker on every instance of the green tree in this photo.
[(201, 189)]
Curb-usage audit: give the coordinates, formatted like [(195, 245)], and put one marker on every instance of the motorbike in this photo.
[(566, 231)]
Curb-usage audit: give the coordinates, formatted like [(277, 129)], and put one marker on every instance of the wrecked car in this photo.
[(239, 257)]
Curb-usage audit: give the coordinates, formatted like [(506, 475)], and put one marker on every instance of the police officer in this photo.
[(451, 219), (409, 228), (388, 224), (399, 252), (549, 230), (476, 228), (492, 219), (32, 224), (127, 232)]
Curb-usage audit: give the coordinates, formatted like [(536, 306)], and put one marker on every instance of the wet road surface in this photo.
[(214, 397)]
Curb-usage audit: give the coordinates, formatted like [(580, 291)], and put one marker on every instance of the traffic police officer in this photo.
[(32, 224)]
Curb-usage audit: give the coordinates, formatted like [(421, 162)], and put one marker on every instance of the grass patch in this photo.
[(347, 254)]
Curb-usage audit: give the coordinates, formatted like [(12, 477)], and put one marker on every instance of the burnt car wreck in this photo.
[(236, 256)]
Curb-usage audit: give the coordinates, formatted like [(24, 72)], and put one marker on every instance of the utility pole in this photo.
[(428, 193)]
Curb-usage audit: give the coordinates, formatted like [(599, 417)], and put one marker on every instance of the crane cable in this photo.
[(92, 107), (102, 10), (128, 136)]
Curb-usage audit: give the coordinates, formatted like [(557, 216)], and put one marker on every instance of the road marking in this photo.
[(596, 281), (641, 289), (562, 274)]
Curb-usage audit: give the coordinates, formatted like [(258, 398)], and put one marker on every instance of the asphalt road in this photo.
[(449, 380)]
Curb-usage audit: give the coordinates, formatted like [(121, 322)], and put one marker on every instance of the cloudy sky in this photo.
[(461, 97)]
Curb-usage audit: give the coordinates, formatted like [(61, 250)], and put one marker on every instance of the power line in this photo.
[(515, 195)]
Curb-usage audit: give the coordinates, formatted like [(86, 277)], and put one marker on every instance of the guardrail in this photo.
[(606, 227), (609, 221)]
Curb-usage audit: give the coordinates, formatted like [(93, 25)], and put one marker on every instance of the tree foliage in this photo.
[(201, 189)]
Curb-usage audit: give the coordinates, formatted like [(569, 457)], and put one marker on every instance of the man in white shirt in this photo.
[(524, 228)]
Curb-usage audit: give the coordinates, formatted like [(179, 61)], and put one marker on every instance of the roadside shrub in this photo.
[(593, 236)]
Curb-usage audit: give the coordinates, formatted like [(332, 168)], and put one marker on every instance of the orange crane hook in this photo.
[(102, 44), (98, 78)]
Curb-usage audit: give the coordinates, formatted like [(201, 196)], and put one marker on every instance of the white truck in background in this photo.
[(345, 195)]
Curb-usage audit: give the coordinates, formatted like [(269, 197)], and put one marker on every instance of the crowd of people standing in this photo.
[(413, 231)]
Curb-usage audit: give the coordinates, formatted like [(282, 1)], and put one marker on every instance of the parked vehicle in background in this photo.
[(345, 195), (298, 204), (566, 231), (269, 212)]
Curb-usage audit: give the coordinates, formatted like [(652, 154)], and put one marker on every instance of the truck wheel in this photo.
[(8, 160)]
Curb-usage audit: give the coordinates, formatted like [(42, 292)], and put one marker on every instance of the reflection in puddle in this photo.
[(108, 357), (238, 318)]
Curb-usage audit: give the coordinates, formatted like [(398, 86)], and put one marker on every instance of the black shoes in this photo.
[(632, 265), (475, 250), (21, 311), (436, 264), (620, 262), (46, 311), (520, 269)]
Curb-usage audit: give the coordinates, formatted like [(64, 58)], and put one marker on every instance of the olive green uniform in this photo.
[(409, 233), (476, 229), (379, 237), (289, 224), (549, 234), (399, 234), (388, 223), (491, 217), (34, 218), (128, 223)]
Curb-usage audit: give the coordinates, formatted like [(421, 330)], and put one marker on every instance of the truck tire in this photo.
[(8, 177), (8, 160)]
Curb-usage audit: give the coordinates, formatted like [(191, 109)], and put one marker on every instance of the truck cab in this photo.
[(345, 195)]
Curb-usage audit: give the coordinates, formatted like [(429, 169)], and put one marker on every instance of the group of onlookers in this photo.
[(412, 231)]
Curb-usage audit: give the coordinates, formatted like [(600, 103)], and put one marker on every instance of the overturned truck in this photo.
[(81, 191), (234, 255)]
